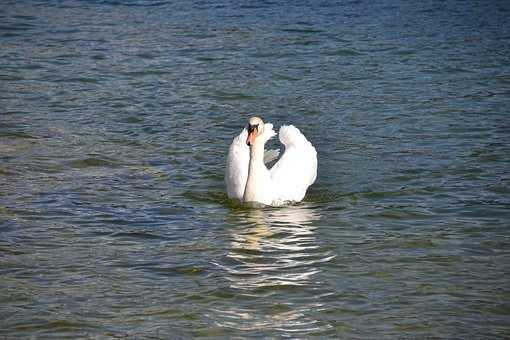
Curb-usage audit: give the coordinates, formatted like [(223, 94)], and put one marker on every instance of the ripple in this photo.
[(227, 96), (148, 72), (342, 52), (92, 162), (17, 27), (279, 319), (136, 235), (303, 30), (276, 249), (86, 80), (59, 326), (115, 121)]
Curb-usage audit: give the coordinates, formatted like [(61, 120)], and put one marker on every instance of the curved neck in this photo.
[(257, 153), (255, 172)]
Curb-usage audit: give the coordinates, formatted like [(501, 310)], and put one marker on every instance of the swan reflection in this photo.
[(274, 247), (274, 252)]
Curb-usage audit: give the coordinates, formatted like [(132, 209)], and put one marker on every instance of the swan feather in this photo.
[(291, 175)]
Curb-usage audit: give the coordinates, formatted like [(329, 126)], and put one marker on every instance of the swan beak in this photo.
[(252, 133)]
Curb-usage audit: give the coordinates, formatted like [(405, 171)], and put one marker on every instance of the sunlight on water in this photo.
[(273, 251), (276, 248)]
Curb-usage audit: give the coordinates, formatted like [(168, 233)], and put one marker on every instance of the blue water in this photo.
[(115, 120)]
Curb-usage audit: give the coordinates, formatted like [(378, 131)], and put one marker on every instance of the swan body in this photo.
[(249, 180)]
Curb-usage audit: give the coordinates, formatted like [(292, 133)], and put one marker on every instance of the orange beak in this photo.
[(251, 137)]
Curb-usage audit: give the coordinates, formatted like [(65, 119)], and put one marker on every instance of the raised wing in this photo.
[(236, 171), (297, 168)]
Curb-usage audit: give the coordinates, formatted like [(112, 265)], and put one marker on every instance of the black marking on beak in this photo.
[(253, 127)]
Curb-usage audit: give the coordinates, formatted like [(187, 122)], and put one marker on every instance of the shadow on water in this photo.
[(313, 198)]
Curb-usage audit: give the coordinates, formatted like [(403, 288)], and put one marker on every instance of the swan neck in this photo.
[(255, 183), (257, 153)]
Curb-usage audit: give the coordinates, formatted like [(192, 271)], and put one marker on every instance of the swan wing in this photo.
[(296, 170), (236, 171)]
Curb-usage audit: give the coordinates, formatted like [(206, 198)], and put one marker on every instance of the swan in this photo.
[(249, 180)]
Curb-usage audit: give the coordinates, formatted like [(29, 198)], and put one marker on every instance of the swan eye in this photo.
[(253, 127)]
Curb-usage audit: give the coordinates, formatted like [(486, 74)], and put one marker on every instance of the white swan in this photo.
[(247, 177)]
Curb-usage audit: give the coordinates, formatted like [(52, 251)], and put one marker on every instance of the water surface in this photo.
[(115, 120)]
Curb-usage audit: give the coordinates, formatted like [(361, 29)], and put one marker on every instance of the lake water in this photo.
[(115, 120)]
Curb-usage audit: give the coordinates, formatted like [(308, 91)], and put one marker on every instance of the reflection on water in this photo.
[(277, 247), (274, 252)]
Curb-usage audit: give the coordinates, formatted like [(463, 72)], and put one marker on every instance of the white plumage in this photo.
[(247, 177), (236, 172)]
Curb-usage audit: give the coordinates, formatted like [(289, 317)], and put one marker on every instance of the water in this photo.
[(115, 121)]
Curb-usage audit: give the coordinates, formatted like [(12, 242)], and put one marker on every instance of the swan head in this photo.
[(255, 128)]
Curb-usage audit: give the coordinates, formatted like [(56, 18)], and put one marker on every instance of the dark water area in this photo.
[(115, 120)]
